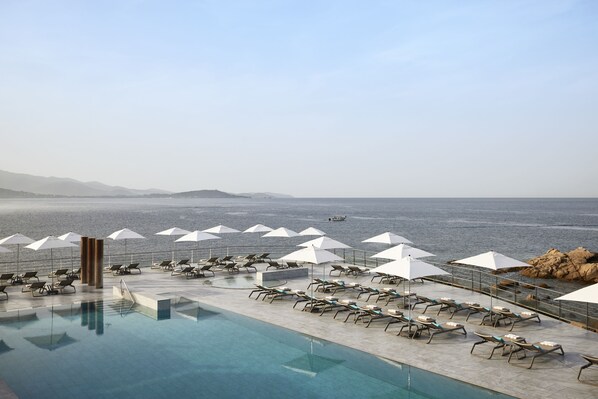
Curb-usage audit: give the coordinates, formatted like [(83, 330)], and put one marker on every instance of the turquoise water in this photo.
[(102, 350)]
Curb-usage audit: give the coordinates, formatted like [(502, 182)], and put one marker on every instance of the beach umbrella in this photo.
[(281, 232), (220, 229), (258, 228), (18, 240), (50, 243), (174, 231), (51, 341), (125, 234), (587, 294), (197, 236), (400, 251), (492, 260), (410, 269), (312, 231), (4, 250), (324, 243), (314, 256), (18, 320), (388, 238), (71, 237)]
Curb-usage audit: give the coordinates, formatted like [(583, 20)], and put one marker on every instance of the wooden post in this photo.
[(91, 245), (99, 317), (84, 259), (99, 261)]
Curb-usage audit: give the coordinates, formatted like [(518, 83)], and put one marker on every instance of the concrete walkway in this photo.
[(553, 376)]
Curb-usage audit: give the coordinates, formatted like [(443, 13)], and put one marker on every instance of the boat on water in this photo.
[(337, 218)]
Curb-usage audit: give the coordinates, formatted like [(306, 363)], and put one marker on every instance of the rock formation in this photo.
[(579, 264)]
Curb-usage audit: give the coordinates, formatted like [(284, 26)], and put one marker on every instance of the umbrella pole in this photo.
[(18, 251)]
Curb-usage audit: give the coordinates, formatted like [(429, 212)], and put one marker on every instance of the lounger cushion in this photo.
[(299, 292), (453, 324), (548, 343), (447, 299), (426, 318), (513, 337), (472, 303), (341, 282), (347, 302), (395, 312), (501, 309), (529, 314), (373, 307), (331, 298)]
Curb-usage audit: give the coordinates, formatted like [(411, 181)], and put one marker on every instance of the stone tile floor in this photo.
[(552, 376)]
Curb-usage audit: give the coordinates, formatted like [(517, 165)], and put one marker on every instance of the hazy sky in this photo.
[(309, 98)]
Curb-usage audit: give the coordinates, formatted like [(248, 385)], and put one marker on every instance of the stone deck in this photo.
[(552, 376)]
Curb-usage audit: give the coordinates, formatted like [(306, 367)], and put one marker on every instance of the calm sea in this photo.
[(449, 228)]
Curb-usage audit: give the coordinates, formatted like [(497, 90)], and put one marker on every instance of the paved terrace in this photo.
[(553, 376)]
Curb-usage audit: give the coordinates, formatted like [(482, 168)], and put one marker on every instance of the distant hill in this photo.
[(5, 193), (265, 195), (203, 194), (61, 186)]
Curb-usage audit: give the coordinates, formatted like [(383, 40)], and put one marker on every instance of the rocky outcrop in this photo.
[(579, 264)]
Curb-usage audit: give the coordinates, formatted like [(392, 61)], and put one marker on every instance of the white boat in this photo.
[(337, 218)]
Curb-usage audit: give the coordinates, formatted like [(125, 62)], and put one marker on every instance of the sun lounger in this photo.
[(396, 316), (356, 270), (130, 268), (500, 342), (260, 289), (340, 285), (6, 278), (538, 349), (74, 274), (245, 257), (320, 284), (278, 293), (38, 287), (338, 269), (275, 265), (62, 284), (231, 268), (392, 294), (210, 261), (435, 328), (303, 297), (187, 271), (414, 326), (351, 307), (513, 318), (201, 271), (25, 277), (248, 265), (452, 306), (292, 265), (162, 265), (172, 265), (371, 313), (3, 291), (58, 274), (115, 269), (592, 361), (386, 278), (420, 299), (262, 258), (225, 260), (377, 292)]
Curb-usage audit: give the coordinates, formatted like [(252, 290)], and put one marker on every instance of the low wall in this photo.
[(156, 306), (282, 274)]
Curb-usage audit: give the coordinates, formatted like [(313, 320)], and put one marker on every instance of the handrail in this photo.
[(124, 288)]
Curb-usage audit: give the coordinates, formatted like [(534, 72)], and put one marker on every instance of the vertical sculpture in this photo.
[(99, 261), (91, 246), (84, 259)]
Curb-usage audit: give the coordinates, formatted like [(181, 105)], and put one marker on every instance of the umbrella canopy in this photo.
[(258, 228), (312, 231), (312, 255), (282, 232), (197, 236), (409, 268), (50, 243), (16, 239), (588, 294), (70, 237), (174, 231), (324, 243), (125, 234), (388, 238), (51, 341), (220, 229), (401, 251), (492, 260), (4, 250), (4, 347)]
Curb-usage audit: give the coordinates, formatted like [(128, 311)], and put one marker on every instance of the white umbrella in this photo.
[(587, 294), (4, 250), (220, 229), (71, 237), (409, 268), (258, 228), (492, 260), (50, 243), (324, 243), (197, 236), (312, 231), (400, 251), (282, 232), (16, 239), (388, 238), (125, 234), (314, 256), (173, 231)]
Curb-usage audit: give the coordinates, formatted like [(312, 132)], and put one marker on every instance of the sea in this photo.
[(449, 228)]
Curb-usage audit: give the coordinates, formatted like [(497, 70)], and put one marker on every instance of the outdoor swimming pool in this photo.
[(102, 350)]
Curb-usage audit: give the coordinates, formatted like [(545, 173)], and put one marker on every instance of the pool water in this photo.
[(105, 350)]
